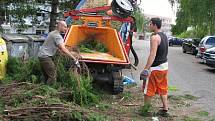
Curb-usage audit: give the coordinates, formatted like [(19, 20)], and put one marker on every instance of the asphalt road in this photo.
[(186, 73)]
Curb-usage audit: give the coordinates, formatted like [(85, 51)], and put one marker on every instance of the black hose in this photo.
[(136, 59)]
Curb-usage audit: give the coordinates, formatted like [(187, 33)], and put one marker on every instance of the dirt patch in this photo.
[(127, 107), (46, 103)]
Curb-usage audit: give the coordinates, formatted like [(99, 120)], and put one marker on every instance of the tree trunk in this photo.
[(53, 15)]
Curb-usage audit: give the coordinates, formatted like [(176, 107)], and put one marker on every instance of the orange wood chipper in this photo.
[(103, 66)]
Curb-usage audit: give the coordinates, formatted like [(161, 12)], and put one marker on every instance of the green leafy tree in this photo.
[(199, 14), (18, 10), (140, 20)]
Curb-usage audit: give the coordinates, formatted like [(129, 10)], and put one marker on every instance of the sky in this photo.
[(157, 7)]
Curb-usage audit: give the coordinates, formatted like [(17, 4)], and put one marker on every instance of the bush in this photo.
[(30, 71), (17, 70), (81, 85)]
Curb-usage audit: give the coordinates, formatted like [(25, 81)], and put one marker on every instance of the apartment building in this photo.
[(37, 25)]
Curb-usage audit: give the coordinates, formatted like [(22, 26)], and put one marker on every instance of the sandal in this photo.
[(163, 113)]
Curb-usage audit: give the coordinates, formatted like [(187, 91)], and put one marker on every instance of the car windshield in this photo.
[(211, 41)]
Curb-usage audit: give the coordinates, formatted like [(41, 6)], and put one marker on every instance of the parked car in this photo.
[(190, 45), (209, 57), (175, 41), (206, 43)]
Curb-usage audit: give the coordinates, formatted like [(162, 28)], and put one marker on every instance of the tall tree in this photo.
[(199, 14), (140, 19)]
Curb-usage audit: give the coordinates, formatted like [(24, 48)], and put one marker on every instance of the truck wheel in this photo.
[(117, 82)]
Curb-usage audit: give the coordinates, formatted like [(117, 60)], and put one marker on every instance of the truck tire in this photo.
[(117, 82)]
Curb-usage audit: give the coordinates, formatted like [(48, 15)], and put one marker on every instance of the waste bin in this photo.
[(3, 58), (36, 42), (17, 45)]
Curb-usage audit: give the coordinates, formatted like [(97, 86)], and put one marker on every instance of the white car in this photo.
[(206, 43)]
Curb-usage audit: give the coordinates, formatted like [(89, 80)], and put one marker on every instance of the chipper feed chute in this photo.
[(116, 53)]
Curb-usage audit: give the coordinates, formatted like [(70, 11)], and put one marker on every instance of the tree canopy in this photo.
[(139, 16), (20, 9), (198, 14)]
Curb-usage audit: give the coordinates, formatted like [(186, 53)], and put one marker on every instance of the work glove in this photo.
[(144, 75)]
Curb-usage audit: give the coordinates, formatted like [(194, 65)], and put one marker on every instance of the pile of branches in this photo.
[(25, 98), (23, 101), (92, 45)]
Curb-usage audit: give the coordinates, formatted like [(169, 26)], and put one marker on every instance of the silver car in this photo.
[(206, 43), (209, 57)]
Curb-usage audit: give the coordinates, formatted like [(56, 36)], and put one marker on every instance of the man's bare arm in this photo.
[(155, 41), (66, 51)]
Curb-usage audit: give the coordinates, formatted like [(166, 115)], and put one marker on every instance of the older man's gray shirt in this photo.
[(49, 47)]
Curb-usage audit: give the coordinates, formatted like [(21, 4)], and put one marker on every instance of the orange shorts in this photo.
[(156, 84)]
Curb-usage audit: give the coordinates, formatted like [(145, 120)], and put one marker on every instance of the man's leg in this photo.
[(164, 101), (162, 90), (51, 72), (43, 70), (164, 111), (147, 107), (149, 89), (147, 100), (49, 69)]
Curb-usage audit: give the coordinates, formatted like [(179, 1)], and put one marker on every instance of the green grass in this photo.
[(203, 113), (103, 106), (144, 110), (81, 86), (191, 119), (190, 97), (77, 115), (38, 94), (97, 117), (182, 97), (173, 88), (2, 106), (23, 71), (175, 98), (213, 119), (30, 71), (127, 95)]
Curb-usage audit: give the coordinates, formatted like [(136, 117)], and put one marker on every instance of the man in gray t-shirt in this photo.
[(50, 46), (53, 42)]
